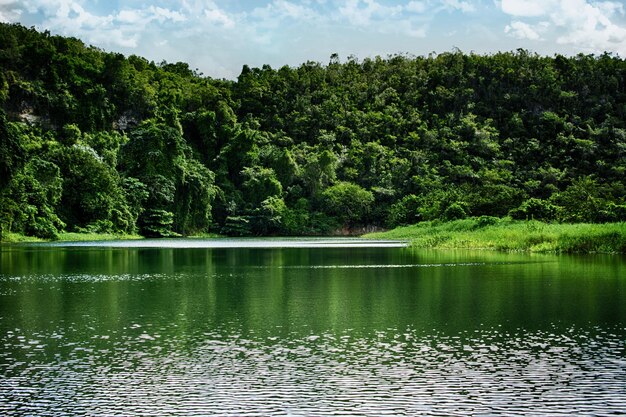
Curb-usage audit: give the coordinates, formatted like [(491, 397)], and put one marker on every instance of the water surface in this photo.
[(307, 327)]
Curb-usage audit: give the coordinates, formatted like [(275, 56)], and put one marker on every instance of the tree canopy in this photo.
[(93, 140)]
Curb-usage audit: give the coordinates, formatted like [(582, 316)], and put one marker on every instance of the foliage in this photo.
[(34, 194), (259, 184), (95, 141), (455, 211), (347, 202), (405, 211), (237, 226), (535, 209), (157, 223), (11, 151)]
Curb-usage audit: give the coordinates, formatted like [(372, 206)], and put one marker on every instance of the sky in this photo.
[(217, 37)]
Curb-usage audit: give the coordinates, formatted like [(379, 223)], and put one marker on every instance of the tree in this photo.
[(348, 202), (167, 150), (259, 184), (537, 209), (180, 189), (31, 198), (193, 198), (581, 201), (12, 153)]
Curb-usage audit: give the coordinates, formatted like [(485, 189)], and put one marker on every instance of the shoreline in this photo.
[(478, 233), (489, 233), (67, 237)]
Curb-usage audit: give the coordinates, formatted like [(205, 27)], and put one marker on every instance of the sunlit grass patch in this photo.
[(84, 237), (19, 238), (509, 235)]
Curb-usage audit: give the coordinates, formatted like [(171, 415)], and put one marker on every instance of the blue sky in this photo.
[(218, 36)]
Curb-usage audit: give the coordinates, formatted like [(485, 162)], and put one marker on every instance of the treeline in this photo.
[(94, 141)]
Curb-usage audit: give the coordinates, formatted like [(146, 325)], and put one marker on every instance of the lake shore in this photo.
[(486, 233), (86, 237), (510, 235), (67, 237)]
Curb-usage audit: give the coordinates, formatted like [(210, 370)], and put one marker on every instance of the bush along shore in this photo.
[(512, 235)]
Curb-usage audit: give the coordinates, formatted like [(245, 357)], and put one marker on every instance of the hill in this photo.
[(98, 142)]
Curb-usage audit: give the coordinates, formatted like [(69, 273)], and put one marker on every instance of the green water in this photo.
[(297, 327)]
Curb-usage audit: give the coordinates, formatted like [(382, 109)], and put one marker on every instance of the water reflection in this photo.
[(309, 331), (395, 371)]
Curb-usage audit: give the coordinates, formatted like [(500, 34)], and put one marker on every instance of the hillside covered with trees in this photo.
[(95, 141)]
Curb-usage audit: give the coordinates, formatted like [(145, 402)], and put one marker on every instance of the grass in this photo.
[(66, 237), (9, 237), (84, 237), (508, 235)]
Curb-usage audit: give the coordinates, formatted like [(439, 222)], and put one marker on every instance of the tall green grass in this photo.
[(83, 237), (67, 237), (9, 237), (509, 235)]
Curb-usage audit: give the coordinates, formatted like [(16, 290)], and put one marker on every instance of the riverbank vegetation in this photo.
[(12, 237), (96, 142), (512, 235)]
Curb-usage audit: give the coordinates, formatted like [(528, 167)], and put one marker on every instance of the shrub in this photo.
[(350, 203), (484, 221), (455, 211), (404, 211), (535, 208)]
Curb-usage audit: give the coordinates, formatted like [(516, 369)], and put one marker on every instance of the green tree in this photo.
[(30, 201), (348, 202), (259, 184), (12, 153), (92, 196)]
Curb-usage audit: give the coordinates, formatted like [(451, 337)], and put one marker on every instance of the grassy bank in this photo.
[(85, 237), (509, 235), (67, 237)]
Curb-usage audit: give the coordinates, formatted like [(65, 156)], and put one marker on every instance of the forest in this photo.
[(93, 141)]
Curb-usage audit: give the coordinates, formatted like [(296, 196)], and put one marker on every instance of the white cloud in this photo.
[(591, 27), (610, 7), (130, 17), (363, 16), (292, 10), (71, 18), (464, 6), (581, 24), (122, 28), (410, 20), (415, 32), (217, 16), (113, 37), (521, 30), (10, 10), (416, 7), (278, 10), (161, 14), (526, 8)]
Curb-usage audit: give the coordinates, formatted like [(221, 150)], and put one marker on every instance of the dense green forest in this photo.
[(95, 141)]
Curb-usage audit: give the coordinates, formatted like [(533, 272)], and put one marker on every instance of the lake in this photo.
[(305, 327)]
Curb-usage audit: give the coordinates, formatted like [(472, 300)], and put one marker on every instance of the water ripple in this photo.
[(391, 372)]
